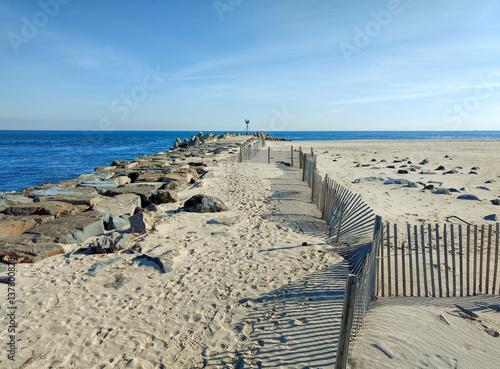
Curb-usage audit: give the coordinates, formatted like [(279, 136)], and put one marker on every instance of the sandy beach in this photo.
[(258, 286)]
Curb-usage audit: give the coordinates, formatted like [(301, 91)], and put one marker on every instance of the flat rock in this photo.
[(399, 181), (229, 221), (75, 228), (164, 260), (99, 266), (146, 193), (118, 205), (20, 224), (118, 222), (204, 204), (78, 199), (150, 177), (495, 202), (453, 171), (56, 208), (492, 217), (468, 197), (98, 184), (483, 188), (369, 179), (441, 191), (29, 252), (110, 243)]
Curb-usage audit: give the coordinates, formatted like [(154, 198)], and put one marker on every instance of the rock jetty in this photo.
[(37, 222)]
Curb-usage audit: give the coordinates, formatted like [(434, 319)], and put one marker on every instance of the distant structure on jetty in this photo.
[(201, 138)]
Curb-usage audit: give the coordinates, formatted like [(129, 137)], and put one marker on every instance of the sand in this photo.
[(251, 294)]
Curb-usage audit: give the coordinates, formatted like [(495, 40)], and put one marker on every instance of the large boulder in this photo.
[(75, 228), (118, 205), (113, 242), (20, 224), (78, 199), (204, 204), (141, 222), (29, 252), (56, 208), (166, 196), (468, 197), (146, 193)]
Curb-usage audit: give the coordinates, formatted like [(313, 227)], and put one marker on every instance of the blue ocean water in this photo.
[(33, 157)]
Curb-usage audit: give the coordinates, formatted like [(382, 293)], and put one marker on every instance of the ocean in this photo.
[(33, 157)]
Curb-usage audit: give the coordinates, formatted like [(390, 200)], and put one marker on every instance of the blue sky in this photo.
[(282, 64)]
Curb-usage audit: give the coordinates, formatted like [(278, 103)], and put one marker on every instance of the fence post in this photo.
[(346, 323), (300, 159), (340, 222), (377, 238), (268, 154), (291, 152)]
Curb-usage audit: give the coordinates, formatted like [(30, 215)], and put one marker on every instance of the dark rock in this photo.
[(118, 222), (474, 168), (402, 171), (147, 193), (29, 253), (451, 189), (441, 191), (166, 196), (429, 187), (472, 172), (423, 162), (492, 217), (468, 197), (204, 204), (55, 208), (141, 223), (304, 243), (109, 243), (176, 186), (371, 160), (164, 261), (453, 171), (118, 205), (151, 208), (490, 181), (483, 188), (495, 202), (391, 167), (75, 228), (440, 168)]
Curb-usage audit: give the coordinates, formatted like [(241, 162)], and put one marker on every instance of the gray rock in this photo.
[(441, 191), (464, 189), (229, 221), (492, 217), (440, 168), (468, 197), (75, 228), (204, 204), (109, 243), (491, 181), (426, 172), (56, 208), (369, 179), (98, 184), (118, 222), (118, 205), (222, 233), (166, 196), (29, 252), (208, 174), (402, 171), (141, 222), (146, 193), (411, 185), (453, 171), (399, 181), (495, 202), (99, 266), (451, 189), (54, 191), (483, 188), (425, 161), (164, 261)]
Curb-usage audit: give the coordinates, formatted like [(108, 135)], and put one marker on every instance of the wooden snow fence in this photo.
[(445, 260)]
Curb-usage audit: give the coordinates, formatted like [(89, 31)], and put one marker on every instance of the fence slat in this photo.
[(488, 259), (446, 267), (461, 251), (429, 234), (424, 264), (417, 261), (495, 272), (410, 259), (396, 275), (453, 259), (347, 320), (388, 237), (438, 256), (481, 253), (474, 272), (467, 268)]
